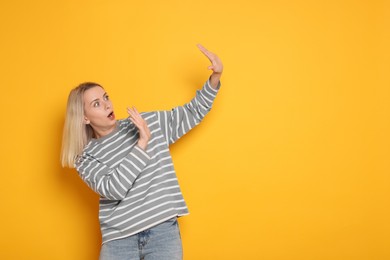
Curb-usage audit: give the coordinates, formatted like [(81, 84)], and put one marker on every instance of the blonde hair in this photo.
[(76, 133)]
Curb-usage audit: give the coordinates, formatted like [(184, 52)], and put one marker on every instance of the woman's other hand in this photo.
[(216, 66)]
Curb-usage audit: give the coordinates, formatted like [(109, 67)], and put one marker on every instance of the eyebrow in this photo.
[(105, 93)]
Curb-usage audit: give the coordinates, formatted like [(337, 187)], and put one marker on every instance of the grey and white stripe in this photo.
[(139, 189)]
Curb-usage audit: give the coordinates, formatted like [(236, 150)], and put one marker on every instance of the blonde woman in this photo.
[(128, 163)]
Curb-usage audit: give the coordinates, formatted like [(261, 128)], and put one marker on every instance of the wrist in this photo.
[(214, 79), (142, 145)]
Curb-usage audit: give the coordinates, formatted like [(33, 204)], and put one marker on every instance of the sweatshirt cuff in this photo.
[(210, 88)]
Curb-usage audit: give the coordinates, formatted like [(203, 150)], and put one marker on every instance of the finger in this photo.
[(206, 52), (137, 119), (132, 109), (201, 47), (137, 123), (134, 118), (142, 128), (133, 112), (134, 122), (130, 112)]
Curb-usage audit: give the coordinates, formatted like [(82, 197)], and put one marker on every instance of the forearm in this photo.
[(178, 121)]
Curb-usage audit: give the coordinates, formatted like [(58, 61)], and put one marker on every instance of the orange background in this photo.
[(292, 162)]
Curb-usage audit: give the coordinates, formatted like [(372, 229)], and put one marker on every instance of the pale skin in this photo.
[(98, 108)]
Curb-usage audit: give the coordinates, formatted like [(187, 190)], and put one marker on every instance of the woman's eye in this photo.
[(96, 104), (106, 97)]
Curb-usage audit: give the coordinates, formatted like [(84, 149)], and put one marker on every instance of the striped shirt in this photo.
[(138, 189)]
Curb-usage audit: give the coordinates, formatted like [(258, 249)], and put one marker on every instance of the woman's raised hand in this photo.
[(216, 65), (140, 123)]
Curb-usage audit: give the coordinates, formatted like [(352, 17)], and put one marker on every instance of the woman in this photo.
[(127, 162)]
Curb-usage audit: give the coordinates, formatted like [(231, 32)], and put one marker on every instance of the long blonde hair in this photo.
[(76, 133)]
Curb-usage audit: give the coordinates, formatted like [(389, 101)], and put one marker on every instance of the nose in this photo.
[(107, 105)]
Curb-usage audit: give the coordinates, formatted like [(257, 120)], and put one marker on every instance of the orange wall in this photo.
[(292, 163)]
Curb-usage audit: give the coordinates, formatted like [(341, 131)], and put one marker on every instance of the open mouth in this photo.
[(111, 115)]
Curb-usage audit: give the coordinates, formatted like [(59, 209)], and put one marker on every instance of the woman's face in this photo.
[(98, 111)]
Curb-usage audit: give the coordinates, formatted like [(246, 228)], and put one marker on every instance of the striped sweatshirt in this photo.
[(139, 189)]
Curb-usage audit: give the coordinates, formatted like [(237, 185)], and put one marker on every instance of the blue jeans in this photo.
[(161, 242)]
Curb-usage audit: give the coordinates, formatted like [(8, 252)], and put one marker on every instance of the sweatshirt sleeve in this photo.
[(112, 183), (181, 119)]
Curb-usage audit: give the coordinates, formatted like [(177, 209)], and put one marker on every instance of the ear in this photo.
[(86, 121)]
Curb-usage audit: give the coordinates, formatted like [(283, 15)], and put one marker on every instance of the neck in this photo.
[(100, 132)]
